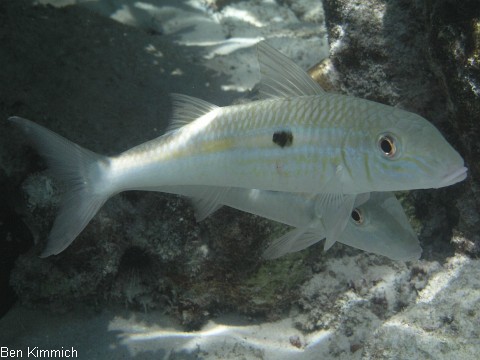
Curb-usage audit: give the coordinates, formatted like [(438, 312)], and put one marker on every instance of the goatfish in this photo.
[(295, 138), (377, 223)]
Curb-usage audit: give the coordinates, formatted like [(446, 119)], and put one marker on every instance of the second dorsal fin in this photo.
[(187, 109)]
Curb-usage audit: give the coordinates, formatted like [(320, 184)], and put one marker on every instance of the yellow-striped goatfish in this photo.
[(296, 138), (377, 224)]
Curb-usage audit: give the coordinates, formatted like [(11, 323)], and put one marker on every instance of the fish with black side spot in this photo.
[(340, 145)]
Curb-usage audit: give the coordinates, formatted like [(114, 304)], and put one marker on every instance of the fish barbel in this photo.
[(297, 138)]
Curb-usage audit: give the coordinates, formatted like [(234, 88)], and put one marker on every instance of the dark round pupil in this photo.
[(356, 215), (386, 145)]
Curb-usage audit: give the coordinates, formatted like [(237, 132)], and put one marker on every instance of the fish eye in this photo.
[(357, 216), (387, 145)]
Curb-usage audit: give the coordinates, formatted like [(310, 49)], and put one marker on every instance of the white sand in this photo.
[(226, 38), (443, 323)]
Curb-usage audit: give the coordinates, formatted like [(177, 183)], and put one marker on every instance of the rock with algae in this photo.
[(395, 52), (454, 34)]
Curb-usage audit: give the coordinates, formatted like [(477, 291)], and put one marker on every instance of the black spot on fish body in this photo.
[(283, 138)]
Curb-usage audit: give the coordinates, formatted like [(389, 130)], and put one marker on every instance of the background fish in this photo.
[(298, 138), (377, 224)]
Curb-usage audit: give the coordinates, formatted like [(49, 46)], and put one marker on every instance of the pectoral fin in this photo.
[(334, 210)]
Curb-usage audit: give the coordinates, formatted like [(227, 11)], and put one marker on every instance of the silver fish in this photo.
[(297, 138), (377, 223)]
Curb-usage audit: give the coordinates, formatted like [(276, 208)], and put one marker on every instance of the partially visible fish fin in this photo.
[(187, 109), (207, 201), (84, 173), (361, 199), (293, 241), (389, 202), (281, 77), (306, 240), (334, 211)]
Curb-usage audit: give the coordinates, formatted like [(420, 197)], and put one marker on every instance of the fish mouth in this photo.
[(454, 177)]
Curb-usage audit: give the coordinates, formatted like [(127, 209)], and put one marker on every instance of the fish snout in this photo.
[(411, 252), (453, 176)]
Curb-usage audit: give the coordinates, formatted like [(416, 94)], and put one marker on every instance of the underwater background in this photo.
[(145, 280)]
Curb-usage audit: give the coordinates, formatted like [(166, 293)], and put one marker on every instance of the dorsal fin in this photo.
[(187, 109), (281, 77)]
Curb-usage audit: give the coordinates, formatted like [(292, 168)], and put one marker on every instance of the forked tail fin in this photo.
[(85, 174)]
